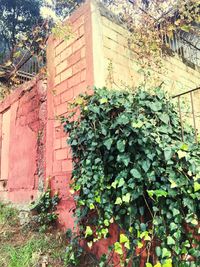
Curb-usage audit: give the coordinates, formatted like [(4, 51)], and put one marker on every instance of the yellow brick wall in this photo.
[(115, 65), (110, 45)]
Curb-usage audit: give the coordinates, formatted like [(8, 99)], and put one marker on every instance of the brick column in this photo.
[(70, 72)]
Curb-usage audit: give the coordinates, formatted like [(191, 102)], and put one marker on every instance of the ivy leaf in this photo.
[(114, 184), (108, 143), (103, 100), (196, 186), (168, 153), (137, 124), (88, 231), (173, 183), (167, 263), (173, 226), (92, 206), (194, 222), (148, 264), (175, 212), (158, 251), (164, 118), (146, 165), (126, 198), (135, 173), (125, 158), (90, 244), (123, 238), (157, 193), (170, 240), (121, 182), (166, 253), (106, 222), (140, 244), (156, 106), (121, 145), (118, 248), (98, 199), (181, 154), (184, 147), (123, 119), (118, 201)]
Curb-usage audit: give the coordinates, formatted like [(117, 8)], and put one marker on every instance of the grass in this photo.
[(25, 247), (8, 215)]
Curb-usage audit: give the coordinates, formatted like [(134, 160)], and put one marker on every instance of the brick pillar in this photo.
[(70, 72)]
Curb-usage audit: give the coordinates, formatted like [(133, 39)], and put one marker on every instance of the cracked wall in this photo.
[(25, 159)]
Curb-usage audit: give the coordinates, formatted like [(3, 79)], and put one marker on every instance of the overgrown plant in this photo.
[(131, 169), (45, 209)]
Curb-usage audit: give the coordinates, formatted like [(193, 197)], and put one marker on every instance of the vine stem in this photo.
[(148, 206)]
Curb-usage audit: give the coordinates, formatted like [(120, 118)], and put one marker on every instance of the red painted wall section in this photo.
[(70, 72), (26, 156)]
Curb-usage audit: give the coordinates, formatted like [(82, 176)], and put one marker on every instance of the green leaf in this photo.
[(166, 253), (181, 154), (168, 153), (118, 248), (121, 182), (92, 206), (184, 147), (126, 198), (137, 124), (167, 263), (125, 158), (123, 238), (156, 106), (140, 244), (170, 240), (173, 226), (194, 221), (98, 199), (164, 118), (135, 173), (106, 222), (175, 212), (88, 231), (196, 186), (108, 143), (157, 193), (148, 264), (90, 244), (173, 183), (158, 251), (103, 100), (114, 184), (118, 201), (121, 145), (146, 165), (158, 264)]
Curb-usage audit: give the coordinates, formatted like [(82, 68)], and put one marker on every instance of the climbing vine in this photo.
[(131, 170)]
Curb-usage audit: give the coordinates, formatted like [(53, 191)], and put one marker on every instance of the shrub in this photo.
[(45, 209), (132, 169)]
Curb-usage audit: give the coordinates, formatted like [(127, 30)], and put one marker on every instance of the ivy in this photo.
[(44, 210), (131, 169)]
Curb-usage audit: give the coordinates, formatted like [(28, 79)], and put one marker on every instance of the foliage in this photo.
[(132, 169), (31, 251), (152, 23), (8, 215), (17, 18), (73, 251), (45, 208)]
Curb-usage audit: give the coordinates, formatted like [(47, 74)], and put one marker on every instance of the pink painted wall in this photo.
[(70, 69), (22, 123)]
